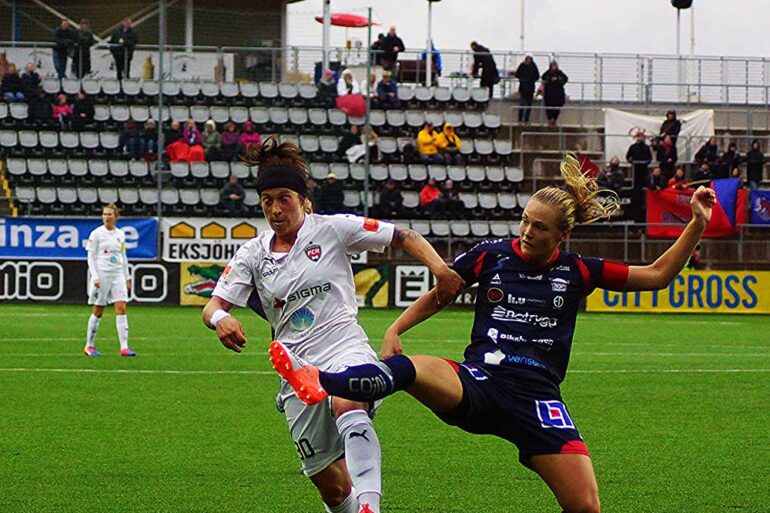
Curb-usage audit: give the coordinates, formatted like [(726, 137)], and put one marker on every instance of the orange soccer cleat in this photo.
[(302, 376)]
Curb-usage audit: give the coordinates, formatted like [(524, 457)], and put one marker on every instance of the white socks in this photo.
[(363, 456), (349, 505), (121, 323), (93, 327)]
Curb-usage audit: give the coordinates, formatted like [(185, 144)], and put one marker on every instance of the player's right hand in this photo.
[(448, 286), (97, 283), (391, 345), (230, 333)]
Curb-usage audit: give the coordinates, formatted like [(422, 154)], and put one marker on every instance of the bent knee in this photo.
[(588, 503), (334, 493)]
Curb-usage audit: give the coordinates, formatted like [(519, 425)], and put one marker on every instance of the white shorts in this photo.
[(112, 288), (313, 428)]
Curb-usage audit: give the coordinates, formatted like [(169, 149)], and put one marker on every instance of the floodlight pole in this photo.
[(326, 30), (429, 47), (521, 35), (161, 142), (367, 127)]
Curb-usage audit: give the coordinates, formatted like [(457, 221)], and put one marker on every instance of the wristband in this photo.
[(218, 316)]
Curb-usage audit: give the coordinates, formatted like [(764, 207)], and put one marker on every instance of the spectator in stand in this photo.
[(528, 75), (671, 126), (62, 112), (82, 112), (122, 44), (426, 145), (231, 196), (708, 153), (249, 136), (453, 205), (484, 63), (431, 199), (611, 177), (349, 139), (187, 146), (387, 92), (376, 50), (30, 80), (667, 157), (755, 165), (391, 201), (173, 133), (392, 45), (3, 64), (678, 181), (702, 174), (449, 144), (347, 84), (436, 62), (81, 55), (13, 89), (191, 133), (331, 196), (327, 89), (150, 141), (655, 180), (639, 155), (64, 38), (131, 141), (729, 161), (230, 142), (554, 96), (40, 108), (211, 141)]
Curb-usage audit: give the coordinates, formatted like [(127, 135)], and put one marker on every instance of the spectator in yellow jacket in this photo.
[(426, 145), (449, 144)]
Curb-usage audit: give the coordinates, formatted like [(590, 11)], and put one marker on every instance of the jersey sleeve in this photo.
[(125, 256), (363, 234), (603, 274), (236, 282), (470, 264), (92, 247)]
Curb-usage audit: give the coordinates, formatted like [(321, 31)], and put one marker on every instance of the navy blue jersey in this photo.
[(525, 315)]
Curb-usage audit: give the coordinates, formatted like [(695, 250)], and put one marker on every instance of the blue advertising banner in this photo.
[(65, 238), (760, 207)]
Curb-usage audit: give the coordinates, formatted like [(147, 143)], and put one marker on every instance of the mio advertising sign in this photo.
[(65, 238), (67, 281), (693, 292)]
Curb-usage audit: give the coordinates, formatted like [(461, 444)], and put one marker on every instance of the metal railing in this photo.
[(592, 77)]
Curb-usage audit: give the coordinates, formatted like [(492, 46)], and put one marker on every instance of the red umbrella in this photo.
[(347, 20)]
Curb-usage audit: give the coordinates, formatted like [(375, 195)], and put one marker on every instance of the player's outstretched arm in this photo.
[(448, 283), (659, 274), (425, 307), (229, 330)]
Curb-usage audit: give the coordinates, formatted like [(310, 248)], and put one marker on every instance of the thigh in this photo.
[(571, 478), (437, 384), (116, 289)]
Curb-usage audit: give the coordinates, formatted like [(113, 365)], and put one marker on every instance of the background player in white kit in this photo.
[(304, 285), (109, 282)]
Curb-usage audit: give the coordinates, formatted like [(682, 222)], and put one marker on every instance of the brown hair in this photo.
[(114, 208), (274, 153), (581, 201)]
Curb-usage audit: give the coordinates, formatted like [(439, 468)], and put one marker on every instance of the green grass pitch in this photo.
[(674, 410)]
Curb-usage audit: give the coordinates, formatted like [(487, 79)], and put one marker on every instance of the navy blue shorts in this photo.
[(515, 405)]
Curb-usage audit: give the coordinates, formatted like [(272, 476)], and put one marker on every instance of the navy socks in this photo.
[(370, 381)]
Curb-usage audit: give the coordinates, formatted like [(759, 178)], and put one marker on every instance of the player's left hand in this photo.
[(702, 202), (391, 345), (449, 284)]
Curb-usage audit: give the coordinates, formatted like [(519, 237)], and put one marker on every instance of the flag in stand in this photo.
[(760, 207)]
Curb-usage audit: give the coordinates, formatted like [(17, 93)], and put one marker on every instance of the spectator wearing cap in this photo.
[(431, 199), (755, 165), (392, 45), (231, 196), (13, 89), (449, 144), (390, 201), (331, 196), (670, 126), (528, 75), (484, 64), (210, 139), (554, 96), (376, 50), (387, 92), (426, 145), (64, 38), (327, 88), (249, 136)]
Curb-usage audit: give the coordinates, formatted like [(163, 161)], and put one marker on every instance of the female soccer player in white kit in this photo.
[(109, 283), (304, 285)]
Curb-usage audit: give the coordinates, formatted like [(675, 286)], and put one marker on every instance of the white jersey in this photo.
[(107, 252), (308, 294)]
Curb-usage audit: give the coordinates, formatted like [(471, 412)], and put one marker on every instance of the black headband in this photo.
[(280, 176)]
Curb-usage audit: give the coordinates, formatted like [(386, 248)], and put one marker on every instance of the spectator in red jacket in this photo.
[(430, 198), (249, 136), (678, 181), (62, 112)]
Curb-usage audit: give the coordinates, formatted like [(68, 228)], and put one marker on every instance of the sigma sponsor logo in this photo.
[(304, 293), (516, 300), (559, 284), (505, 315), (39, 281)]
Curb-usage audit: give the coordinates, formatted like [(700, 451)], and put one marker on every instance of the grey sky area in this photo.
[(735, 28)]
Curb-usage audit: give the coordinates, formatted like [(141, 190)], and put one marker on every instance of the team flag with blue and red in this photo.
[(672, 207), (760, 207)]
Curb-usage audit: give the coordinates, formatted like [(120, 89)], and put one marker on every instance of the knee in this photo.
[(334, 493), (586, 503)]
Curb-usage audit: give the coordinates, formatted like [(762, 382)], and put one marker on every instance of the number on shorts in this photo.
[(304, 449)]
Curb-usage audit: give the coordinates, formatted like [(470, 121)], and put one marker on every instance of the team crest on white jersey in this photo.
[(313, 252)]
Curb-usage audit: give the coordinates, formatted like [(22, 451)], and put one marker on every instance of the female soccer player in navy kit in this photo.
[(526, 307)]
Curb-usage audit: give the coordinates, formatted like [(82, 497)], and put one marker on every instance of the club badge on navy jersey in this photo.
[(313, 252)]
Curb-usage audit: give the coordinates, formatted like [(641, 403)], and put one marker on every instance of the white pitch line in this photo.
[(272, 373)]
